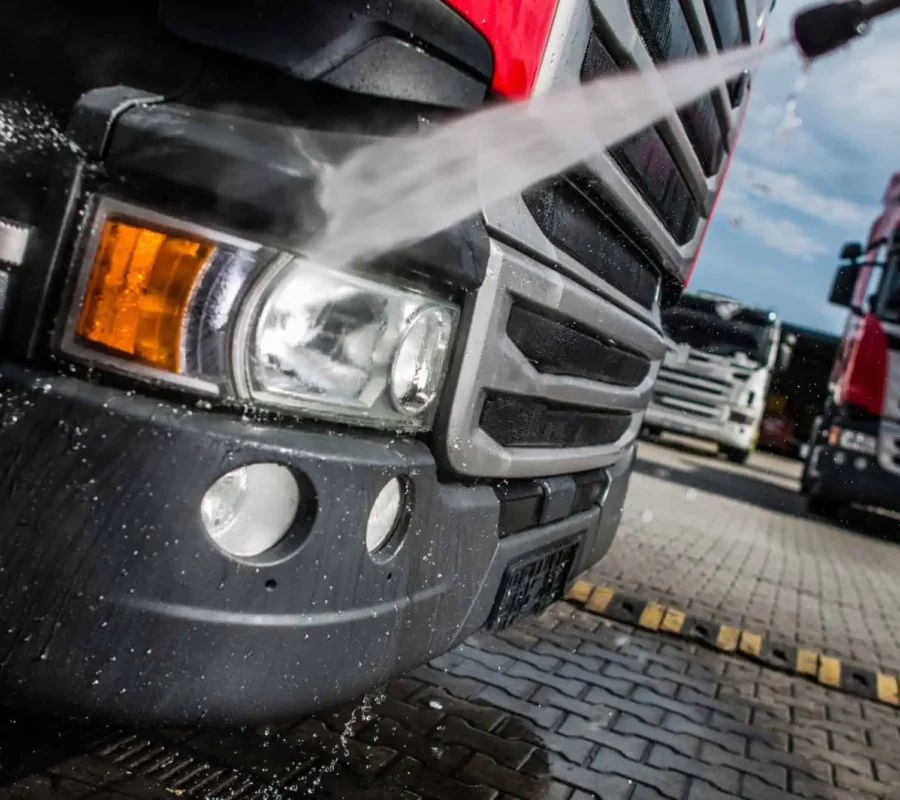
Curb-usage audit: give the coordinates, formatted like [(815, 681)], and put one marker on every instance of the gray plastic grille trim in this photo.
[(492, 362)]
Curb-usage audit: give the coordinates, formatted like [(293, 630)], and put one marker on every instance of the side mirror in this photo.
[(851, 251), (785, 353), (843, 285)]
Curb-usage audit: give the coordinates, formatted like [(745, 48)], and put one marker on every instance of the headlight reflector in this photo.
[(334, 342), (420, 358)]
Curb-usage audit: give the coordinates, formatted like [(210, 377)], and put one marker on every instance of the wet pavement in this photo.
[(572, 706)]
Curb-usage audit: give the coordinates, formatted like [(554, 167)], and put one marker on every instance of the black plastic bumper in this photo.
[(843, 482), (115, 602)]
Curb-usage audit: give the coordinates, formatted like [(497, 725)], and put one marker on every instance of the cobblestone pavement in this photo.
[(733, 544), (570, 706)]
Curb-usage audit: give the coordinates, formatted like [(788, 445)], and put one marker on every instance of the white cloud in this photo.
[(792, 192), (778, 234), (849, 107)]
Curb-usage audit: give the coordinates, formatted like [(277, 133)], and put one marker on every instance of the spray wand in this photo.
[(824, 28)]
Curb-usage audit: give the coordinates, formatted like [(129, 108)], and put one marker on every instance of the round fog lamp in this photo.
[(250, 509), (419, 360), (385, 515)]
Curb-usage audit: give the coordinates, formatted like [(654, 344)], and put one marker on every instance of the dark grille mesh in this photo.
[(514, 421), (647, 162), (583, 229), (531, 585), (665, 31), (558, 349)]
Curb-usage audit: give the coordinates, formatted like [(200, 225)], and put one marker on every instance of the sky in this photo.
[(796, 192)]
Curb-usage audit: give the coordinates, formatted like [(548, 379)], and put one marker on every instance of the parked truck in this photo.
[(716, 372), (854, 454), (237, 484)]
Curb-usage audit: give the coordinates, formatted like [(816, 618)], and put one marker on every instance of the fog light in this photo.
[(860, 463), (385, 515), (839, 458), (419, 362), (250, 509)]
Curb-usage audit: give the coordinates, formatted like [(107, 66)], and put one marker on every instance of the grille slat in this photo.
[(583, 229), (555, 348), (646, 161), (664, 29), (527, 422)]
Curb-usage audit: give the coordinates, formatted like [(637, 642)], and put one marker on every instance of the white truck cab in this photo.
[(715, 376)]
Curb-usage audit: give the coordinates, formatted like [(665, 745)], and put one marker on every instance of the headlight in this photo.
[(162, 299), (343, 345), (856, 441)]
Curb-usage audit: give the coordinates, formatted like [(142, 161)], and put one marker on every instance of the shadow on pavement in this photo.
[(737, 485)]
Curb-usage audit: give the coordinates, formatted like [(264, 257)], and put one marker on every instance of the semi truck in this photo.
[(715, 375), (238, 485), (854, 453)]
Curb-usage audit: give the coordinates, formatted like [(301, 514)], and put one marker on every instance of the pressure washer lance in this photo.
[(821, 29)]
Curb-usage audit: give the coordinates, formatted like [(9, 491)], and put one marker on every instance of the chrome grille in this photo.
[(566, 423), (702, 387)]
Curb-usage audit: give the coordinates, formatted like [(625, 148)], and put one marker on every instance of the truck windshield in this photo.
[(719, 329)]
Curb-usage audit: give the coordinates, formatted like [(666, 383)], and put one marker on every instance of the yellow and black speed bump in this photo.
[(827, 670)]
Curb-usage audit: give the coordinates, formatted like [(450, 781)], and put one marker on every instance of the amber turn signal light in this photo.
[(138, 292)]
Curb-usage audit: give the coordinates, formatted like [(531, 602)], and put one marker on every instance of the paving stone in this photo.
[(670, 785), (629, 746), (772, 774), (504, 750), (412, 776), (730, 741), (681, 743), (575, 750), (478, 714), (544, 716), (722, 777), (568, 686)]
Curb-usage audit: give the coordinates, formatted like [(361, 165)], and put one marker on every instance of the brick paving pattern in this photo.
[(571, 706), (567, 707), (733, 544)]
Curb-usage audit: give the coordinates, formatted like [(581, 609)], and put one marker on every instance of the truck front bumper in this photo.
[(730, 434), (115, 602), (846, 477)]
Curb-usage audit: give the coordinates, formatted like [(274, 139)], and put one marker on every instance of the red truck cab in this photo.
[(855, 451)]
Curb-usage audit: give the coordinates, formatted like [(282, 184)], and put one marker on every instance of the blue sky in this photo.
[(794, 196)]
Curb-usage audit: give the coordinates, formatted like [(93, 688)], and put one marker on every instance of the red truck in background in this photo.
[(854, 454)]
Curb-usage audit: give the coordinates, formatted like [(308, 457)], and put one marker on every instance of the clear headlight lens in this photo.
[(163, 299), (342, 345)]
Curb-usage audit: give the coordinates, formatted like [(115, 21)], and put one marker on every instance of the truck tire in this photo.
[(823, 507), (735, 455)]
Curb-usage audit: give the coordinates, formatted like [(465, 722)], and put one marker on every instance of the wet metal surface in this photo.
[(567, 707)]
